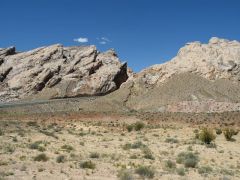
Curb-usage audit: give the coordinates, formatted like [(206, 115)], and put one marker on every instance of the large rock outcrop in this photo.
[(219, 59), (56, 72), (202, 77)]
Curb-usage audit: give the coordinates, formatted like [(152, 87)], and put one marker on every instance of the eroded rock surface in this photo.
[(56, 72), (219, 59), (199, 74)]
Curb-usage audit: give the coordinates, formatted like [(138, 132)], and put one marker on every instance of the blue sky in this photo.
[(143, 32)]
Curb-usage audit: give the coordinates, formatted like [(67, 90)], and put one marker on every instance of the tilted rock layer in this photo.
[(57, 72), (219, 59), (205, 74)]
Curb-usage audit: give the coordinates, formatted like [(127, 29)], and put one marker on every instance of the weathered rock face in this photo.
[(201, 78), (219, 59), (57, 71)]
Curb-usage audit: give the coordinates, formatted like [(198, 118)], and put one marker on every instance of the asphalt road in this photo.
[(34, 102)]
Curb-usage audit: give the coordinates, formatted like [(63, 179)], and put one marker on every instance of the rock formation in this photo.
[(57, 72), (219, 59), (200, 73)]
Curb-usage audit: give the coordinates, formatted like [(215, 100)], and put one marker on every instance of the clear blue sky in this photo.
[(143, 32)]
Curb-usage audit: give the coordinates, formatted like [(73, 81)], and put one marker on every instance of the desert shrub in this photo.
[(139, 125), (180, 171), (206, 135), (67, 148), (229, 133), (32, 123), (87, 165), (135, 145), (9, 149), (171, 140), (15, 139), (41, 157), (130, 127), (188, 159), (125, 175), (218, 131), (94, 155), (145, 171), (1, 132), (61, 159), (204, 170), (170, 164), (148, 154), (48, 133), (37, 145), (133, 156)]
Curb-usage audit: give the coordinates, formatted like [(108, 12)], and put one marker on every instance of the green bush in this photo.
[(139, 125), (38, 145), (41, 157), (94, 155), (204, 170), (218, 131), (1, 132), (171, 140), (61, 159), (135, 145), (125, 175), (180, 171), (87, 165), (206, 135), (148, 154), (189, 159), (130, 127), (145, 171), (229, 133), (170, 164), (67, 148)]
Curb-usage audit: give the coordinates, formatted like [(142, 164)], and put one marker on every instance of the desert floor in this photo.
[(112, 147)]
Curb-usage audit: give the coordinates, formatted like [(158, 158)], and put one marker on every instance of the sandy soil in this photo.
[(69, 141)]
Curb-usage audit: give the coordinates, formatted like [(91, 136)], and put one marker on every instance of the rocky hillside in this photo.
[(202, 77), (219, 59), (57, 72)]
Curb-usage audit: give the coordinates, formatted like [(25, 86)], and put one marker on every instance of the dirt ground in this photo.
[(104, 146)]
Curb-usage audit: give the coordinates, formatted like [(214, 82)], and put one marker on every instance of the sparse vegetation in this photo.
[(61, 159), (139, 125), (94, 155), (145, 171), (206, 135), (67, 148), (188, 159), (170, 164), (148, 154), (218, 131), (1, 132), (171, 140), (130, 127), (87, 165), (204, 170), (38, 145), (180, 171), (125, 174), (159, 151), (229, 133), (41, 157), (135, 145)]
